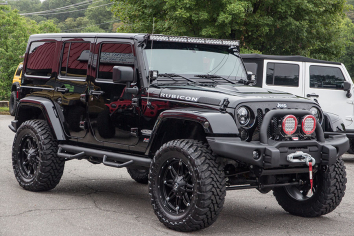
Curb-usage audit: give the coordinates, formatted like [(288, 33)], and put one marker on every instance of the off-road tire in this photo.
[(139, 175), (104, 125), (332, 184), (209, 189), (13, 103), (50, 167)]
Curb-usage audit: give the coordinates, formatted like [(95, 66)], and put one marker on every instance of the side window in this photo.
[(114, 54), (40, 58), (251, 66), (19, 69), (326, 77), (283, 74), (75, 58)]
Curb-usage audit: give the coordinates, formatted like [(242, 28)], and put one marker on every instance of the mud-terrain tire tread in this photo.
[(140, 177), (51, 167), (13, 103), (330, 195), (211, 191)]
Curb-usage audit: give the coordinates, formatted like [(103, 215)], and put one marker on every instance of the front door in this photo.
[(113, 118), (325, 84)]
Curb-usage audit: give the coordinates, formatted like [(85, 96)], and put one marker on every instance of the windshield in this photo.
[(194, 59)]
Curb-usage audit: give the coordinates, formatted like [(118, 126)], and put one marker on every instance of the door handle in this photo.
[(62, 90), (312, 95), (96, 93)]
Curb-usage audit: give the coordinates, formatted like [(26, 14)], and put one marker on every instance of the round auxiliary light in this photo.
[(308, 124), (243, 115), (315, 112), (289, 124)]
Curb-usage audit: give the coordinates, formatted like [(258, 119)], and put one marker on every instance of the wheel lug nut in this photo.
[(169, 167)]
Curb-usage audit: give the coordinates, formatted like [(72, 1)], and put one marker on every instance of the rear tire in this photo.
[(139, 175), (34, 157), (187, 185), (329, 189), (351, 149), (13, 103)]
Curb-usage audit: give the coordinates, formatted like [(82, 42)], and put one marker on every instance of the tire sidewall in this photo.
[(12, 103)]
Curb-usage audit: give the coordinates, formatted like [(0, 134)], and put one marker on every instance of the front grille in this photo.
[(275, 128)]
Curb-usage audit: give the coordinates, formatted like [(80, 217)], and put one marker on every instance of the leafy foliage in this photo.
[(14, 34), (292, 27)]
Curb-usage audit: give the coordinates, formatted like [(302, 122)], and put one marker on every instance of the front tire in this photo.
[(34, 157), (187, 185), (13, 103), (329, 189)]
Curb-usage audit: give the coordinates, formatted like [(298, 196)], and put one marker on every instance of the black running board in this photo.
[(80, 152)]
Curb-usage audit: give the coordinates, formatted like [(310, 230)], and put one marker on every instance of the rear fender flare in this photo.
[(51, 112), (214, 123)]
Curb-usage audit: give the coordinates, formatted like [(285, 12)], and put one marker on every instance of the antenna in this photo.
[(152, 41)]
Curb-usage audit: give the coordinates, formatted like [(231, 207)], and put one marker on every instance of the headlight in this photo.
[(315, 112), (243, 115)]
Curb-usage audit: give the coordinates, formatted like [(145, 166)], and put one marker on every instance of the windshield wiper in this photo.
[(172, 76), (207, 76)]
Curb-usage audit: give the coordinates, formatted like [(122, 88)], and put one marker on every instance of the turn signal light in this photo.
[(308, 124)]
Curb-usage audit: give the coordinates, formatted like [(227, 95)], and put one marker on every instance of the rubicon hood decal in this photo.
[(178, 97)]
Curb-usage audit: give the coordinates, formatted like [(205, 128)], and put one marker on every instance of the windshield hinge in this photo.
[(224, 105)]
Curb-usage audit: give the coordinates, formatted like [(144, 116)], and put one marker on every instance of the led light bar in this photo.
[(185, 39)]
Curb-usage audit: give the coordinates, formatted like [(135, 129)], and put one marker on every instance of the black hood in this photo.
[(214, 95)]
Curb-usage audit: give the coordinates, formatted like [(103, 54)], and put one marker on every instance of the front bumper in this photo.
[(273, 154)]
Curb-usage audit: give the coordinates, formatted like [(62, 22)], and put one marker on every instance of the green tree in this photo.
[(14, 33), (99, 14), (348, 57), (301, 27)]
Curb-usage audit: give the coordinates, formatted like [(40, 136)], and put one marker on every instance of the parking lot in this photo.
[(98, 200)]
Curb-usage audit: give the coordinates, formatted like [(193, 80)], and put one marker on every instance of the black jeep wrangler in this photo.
[(178, 114)]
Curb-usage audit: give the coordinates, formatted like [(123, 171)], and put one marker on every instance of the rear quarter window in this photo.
[(326, 77), (40, 58)]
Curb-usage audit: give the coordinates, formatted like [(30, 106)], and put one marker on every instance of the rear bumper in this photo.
[(274, 154)]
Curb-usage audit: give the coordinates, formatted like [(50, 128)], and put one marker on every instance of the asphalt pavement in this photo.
[(99, 200)]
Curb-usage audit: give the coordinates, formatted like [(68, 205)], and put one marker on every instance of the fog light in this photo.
[(255, 155)]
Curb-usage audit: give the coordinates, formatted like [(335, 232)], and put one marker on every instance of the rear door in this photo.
[(284, 76), (71, 84), (324, 83)]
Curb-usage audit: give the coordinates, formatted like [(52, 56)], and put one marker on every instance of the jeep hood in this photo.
[(214, 95)]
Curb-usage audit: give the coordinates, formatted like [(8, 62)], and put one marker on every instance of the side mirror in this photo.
[(123, 74), (346, 87), (251, 78)]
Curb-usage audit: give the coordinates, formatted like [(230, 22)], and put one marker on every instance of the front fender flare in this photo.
[(214, 122)]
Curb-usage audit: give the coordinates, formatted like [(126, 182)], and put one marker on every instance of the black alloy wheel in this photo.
[(28, 157), (176, 186)]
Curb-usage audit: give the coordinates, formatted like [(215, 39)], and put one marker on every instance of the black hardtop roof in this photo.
[(85, 35), (286, 58)]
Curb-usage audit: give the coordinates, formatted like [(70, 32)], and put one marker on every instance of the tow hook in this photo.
[(301, 157)]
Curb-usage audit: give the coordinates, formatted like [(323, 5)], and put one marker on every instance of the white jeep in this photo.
[(325, 82)]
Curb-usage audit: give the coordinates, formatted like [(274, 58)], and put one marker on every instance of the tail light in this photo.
[(289, 124), (308, 124), (17, 94)]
